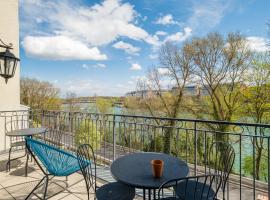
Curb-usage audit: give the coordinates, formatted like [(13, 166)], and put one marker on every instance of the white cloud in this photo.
[(88, 87), (98, 65), (208, 13), (135, 67), (153, 40), (135, 79), (128, 48), (85, 66), (144, 18), (163, 71), (259, 44), (162, 33), (153, 56), (83, 87), (93, 26), (165, 20), (60, 48), (101, 65), (179, 36)]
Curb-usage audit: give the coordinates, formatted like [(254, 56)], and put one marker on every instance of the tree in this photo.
[(256, 101), (175, 67), (87, 133), (221, 65), (71, 98), (103, 105), (39, 94)]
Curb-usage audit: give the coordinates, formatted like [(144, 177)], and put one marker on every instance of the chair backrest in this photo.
[(221, 159), (87, 162), (54, 137), (203, 187), (57, 161), (16, 124)]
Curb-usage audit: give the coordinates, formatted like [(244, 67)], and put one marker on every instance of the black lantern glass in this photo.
[(8, 62)]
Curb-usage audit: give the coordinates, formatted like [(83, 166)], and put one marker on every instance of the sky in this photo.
[(102, 47)]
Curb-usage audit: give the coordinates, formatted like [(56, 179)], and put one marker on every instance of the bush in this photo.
[(156, 144), (87, 133)]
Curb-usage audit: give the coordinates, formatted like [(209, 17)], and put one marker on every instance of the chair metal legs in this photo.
[(8, 162), (35, 188), (45, 187), (26, 164), (46, 181)]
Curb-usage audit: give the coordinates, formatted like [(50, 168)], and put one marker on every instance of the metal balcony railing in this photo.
[(189, 139)]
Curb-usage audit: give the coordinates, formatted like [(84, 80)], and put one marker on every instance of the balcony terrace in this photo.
[(116, 135), (14, 184)]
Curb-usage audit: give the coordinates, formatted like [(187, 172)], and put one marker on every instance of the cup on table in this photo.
[(157, 168)]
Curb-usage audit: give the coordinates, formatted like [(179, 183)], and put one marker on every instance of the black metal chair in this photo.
[(53, 137), (110, 191), (16, 142), (203, 187), (220, 161)]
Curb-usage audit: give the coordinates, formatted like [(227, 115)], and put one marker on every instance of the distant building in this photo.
[(194, 90), (145, 93)]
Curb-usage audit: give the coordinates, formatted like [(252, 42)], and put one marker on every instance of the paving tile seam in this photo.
[(8, 192)]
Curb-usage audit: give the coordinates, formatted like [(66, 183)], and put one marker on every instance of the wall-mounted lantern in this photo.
[(8, 61)]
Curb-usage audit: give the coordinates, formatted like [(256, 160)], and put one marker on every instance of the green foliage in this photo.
[(39, 94), (156, 144), (87, 133), (248, 168), (103, 105)]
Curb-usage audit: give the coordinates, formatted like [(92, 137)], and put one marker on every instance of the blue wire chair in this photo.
[(57, 162), (110, 191), (204, 187)]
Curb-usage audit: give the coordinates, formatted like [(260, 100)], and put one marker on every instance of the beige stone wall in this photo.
[(9, 33)]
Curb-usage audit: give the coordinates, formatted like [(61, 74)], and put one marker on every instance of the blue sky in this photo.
[(104, 47)]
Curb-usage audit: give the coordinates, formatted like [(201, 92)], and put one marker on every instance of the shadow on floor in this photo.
[(20, 191), (14, 164), (21, 171)]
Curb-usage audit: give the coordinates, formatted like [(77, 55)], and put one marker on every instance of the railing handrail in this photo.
[(10, 111), (170, 119), (115, 135)]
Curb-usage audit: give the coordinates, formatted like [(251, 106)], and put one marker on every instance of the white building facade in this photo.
[(10, 91)]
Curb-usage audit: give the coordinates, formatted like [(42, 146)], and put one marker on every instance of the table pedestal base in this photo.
[(149, 191)]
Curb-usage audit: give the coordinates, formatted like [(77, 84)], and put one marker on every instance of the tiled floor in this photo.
[(14, 184)]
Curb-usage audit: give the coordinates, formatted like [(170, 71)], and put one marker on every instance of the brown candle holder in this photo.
[(157, 168)]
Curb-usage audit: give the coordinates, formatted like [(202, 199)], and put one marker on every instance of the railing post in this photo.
[(43, 118), (69, 122), (195, 148), (114, 138)]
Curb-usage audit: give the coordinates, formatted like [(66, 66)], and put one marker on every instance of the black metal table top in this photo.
[(136, 170), (27, 132)]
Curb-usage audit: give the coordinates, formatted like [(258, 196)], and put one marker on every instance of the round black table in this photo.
[(27, 132), (135, 170)]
